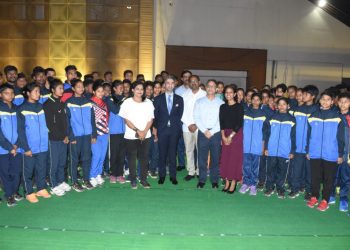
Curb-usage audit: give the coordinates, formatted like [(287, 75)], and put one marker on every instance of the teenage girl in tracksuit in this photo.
[(82, 132), (99, 149), (33, 134), (253, 144), (280, 147), (10, 154)]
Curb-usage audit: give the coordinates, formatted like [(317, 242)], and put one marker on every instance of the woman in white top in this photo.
[(138, 113)]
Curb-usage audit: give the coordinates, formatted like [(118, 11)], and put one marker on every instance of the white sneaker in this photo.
[(126, 172), (93, 182), (65, 187), (57, 191), (100, 180)]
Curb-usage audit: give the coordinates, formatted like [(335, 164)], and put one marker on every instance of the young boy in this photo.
[(343, 176), (280, 148), (88, 83), (71, 73), (39, 78), (301, 173), (253, 144), (82, 132), (299, 97), (280, 90), (21, 82), (56, 120), (325, 149), (10, 156), (292, 91)]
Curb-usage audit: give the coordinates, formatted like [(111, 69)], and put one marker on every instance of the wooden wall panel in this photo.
[(212, 58)]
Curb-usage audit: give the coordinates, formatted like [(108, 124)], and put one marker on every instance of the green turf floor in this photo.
[(170, 217)]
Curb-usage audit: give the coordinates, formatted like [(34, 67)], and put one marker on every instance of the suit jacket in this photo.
[(162, 117)]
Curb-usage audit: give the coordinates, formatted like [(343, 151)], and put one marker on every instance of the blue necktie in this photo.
[(170, 104)]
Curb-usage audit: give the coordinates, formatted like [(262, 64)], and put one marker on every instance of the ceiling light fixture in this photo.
[(322, 3)]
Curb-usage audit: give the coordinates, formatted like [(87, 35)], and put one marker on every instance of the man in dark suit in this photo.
[(168, 110)]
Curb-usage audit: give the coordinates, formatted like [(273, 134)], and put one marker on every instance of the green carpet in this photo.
[(170, 217)]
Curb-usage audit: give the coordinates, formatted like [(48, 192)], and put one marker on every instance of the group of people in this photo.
[(271, 139)]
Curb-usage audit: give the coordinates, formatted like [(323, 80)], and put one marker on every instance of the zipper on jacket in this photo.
[(82, 118), (279, 135), (37, 115), (322, 136), (251, 136)]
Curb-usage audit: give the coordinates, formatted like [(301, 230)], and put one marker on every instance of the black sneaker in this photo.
[(269, 192), (260, 186), (145, 184), (17, 197), (215, 185), (153, 174), (77, 187), (11, 202), (293, 195), (180, 168), (280, 195), (87, 185), (189, 177), (307, 196), (200, 185), (133, 184), (302, 190)]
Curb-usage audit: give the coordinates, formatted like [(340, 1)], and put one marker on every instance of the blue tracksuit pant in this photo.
[(34, 166), (99, 150), (58, 160), (251, 164), (10, 173), (80, 151)]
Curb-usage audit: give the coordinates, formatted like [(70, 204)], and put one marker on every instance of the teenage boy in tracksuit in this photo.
[(280, 147), (253, 144), (82, 132), (325, 149), (10, 154), (301, 173)]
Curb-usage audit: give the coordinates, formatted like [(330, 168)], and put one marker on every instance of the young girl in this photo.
[(253, 143), (325, 148), (33, 134), (10, 156), (99, 149), (56, 120), (280, 146), (82, 132), (138, 113)]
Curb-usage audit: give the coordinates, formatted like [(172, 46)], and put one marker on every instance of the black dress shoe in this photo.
[(200, 185), (189, 177), (180, 168), (173, 181), (214, 185), (161, 180)]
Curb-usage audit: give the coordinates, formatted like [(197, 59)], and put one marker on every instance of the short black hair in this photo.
[(97, 85), (195, 76), (127, 81), (54, 82), (127, 71), (149, 83), (49, 69), (29, 88), (283, 99), (5, 86), (329, 93), (37, 70), (257, 95), (220, 83), (344, 95), (87, 82), (107, 84), (74, 82), (185, 71), (9, 68), (116, 83), (265, 91), (21, 75), (312, 90), (79, 75), (293, 87), (70, 67), (212, 80), (88, 76), (107, 73), (165, 72), (282, 86)]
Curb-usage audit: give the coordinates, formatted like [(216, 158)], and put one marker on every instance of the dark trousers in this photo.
[(153, 155), (106, 162), (34, 166), (277, 168), (344, 176), (251, 164), (80, 151), (181, 151), (167, 143), (10, 173), (58, 159), (298, 170), (262, 169), (137, 150), (322, 172), (206, 146), (117, 149)]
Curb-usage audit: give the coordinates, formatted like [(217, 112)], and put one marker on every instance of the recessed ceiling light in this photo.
[(128, 7), (322, 3)]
